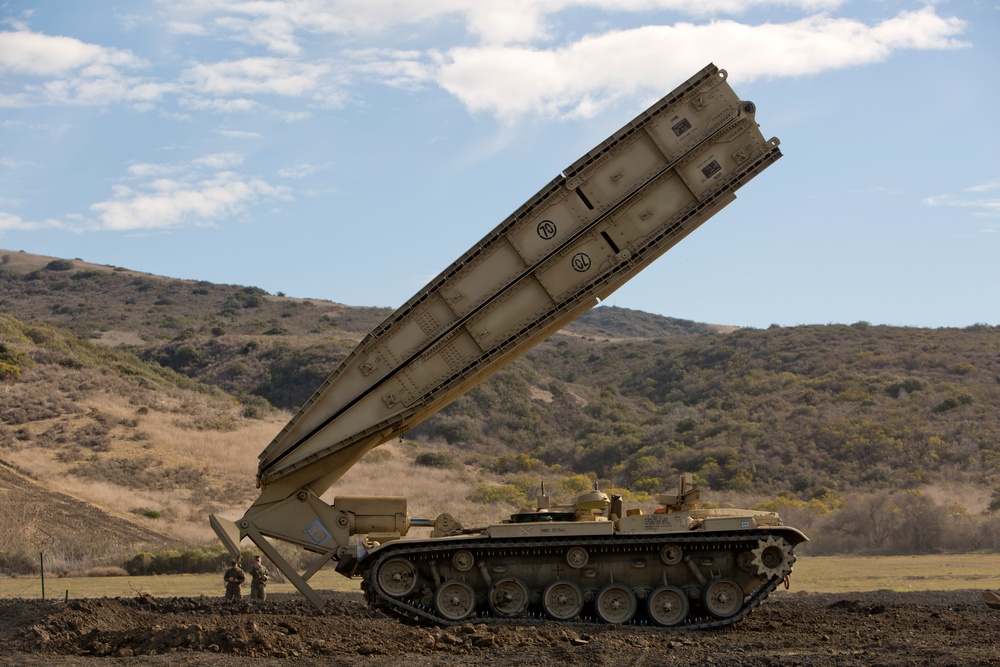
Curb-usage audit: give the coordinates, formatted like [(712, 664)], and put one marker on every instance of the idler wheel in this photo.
[(562, 600), (615, 604), (722, 597), (455, 600), (668, 605), (508, 597), (397, 577)]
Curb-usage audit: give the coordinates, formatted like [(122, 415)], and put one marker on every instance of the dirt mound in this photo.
[(884, 628)]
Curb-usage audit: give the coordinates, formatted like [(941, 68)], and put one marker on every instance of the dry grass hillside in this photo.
[(151, 397), (103, 455)]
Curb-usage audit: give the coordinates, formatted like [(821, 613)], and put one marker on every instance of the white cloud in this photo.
[(184, 28), (13, 223), (76, 72), (276, 33), (219, 160), (988, 186), (296, 116), (301, 170), (584, 77), (14, 101), (202, 192), (24, 52), (147, 170), (11, 163), (277, 25), (256, 76), (173, 115), (981, 208), (130, 22), (405, 69), (238, 105), (102, 89), (505, 59), (167, 204), (239, 134)]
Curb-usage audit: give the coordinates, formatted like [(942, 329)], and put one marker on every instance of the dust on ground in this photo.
[(880, 628)]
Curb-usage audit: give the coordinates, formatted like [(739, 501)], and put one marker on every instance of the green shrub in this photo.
[(436, 460), (507, 494), (196, 560), (995, 500), (99, 571), (17, 562), (685, 425), (254, 407), (649, 485), (896, 389), (458, 431), (510, 463), (953, 402), (59, 265), (8, 370), (576, 484), (252, 301), (11, 361)]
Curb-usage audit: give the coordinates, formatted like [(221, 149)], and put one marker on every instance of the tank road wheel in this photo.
[(463, 560), (577, 557), (562, 600), (508, 597), (615, 604), (772, 557), (455, 600), (397, 577), (668, 605), (722, 597), (671, 554)]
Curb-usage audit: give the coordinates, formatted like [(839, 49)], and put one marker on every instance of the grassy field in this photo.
[(939, 572), (179, 585), (814, 574)]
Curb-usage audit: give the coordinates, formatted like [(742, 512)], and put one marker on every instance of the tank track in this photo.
[(415, 606)]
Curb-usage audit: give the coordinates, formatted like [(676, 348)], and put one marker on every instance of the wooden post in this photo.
[(41, 567)]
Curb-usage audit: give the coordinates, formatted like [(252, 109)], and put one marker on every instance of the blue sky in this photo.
[(351, 149)]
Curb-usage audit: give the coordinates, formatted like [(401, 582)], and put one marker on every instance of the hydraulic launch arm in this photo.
[(604, 219)]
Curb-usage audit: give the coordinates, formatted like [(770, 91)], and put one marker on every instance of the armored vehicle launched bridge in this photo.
[(582, 236)]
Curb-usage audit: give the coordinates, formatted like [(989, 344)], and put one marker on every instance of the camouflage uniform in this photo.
[(258, 574), (234, 578)]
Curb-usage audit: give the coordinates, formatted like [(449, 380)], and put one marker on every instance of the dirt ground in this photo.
[(881, 628)]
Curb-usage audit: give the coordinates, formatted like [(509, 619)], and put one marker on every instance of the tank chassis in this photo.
[(592, 228), (678, 567)]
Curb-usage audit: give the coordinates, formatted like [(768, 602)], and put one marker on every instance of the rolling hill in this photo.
[(151, 397)]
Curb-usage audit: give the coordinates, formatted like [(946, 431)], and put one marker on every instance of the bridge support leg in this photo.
[(287, 569)]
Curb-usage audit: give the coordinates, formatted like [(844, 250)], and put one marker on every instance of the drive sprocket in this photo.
[(772, 557)]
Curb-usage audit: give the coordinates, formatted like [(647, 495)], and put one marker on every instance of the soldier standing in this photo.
[(258, 574), (234, 578)]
